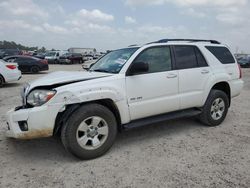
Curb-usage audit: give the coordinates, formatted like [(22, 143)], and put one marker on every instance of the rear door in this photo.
[(194, 73)]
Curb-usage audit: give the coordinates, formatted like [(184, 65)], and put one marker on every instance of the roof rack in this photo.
[(132, 45), (189, 40)]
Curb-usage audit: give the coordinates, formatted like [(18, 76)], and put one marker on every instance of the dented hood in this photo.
[(66, 77)]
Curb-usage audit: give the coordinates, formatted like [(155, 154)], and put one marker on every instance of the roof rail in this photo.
[(132, 45), (189, 40)]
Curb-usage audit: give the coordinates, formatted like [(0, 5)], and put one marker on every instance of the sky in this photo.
[(112, 24)]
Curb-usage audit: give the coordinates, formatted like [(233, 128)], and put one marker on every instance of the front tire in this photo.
[(215, 108), (89, 132)]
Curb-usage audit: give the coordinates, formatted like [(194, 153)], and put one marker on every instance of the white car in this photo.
[(129, 88), (87, 64), (9, 72), (87, 58)]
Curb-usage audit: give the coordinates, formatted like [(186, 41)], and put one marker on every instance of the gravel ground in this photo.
[(179, 153)]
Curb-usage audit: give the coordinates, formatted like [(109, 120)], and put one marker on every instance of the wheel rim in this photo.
[(92, 133), (217, 108)]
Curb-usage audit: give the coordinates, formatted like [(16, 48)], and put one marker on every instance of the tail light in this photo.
[(44, 61), (12, 67), (240, 71)]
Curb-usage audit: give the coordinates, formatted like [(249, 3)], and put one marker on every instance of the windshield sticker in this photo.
[(120, 61)]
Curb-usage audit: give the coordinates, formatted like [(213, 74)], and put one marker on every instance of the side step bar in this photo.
[(161, 118)]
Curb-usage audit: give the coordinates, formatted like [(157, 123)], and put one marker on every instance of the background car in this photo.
[(40, 55), (9, 52), (29, 63), (87, 57), (244, 62), (52, 56), (88, 64), (9, 72), (70, 58)]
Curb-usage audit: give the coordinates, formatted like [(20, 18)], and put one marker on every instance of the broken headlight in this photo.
[(39, 97)]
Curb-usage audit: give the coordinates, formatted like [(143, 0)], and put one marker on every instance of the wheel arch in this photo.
[(62, 117), (223, 86), (4, 81)]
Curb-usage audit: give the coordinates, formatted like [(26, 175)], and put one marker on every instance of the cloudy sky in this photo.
[(113, 24)]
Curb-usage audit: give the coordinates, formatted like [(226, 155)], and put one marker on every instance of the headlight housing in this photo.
[(39, 97)]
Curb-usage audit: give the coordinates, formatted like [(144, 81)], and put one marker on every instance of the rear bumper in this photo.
[(39, 122), (13, 76), (44, 67), (236, 87)]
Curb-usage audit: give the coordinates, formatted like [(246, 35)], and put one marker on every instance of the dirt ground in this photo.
[(179, 153)]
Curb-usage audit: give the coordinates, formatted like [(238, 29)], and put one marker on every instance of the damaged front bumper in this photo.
[(29, 123)]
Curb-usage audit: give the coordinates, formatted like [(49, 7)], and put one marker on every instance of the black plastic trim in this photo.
[(161, 118), (188, 40)]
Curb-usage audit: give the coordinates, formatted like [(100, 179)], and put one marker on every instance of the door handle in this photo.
[(204, 71), (171, 75)]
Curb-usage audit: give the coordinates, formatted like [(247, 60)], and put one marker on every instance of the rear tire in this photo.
[(1, 81), (215, 108), (34, 69), (89, 132)]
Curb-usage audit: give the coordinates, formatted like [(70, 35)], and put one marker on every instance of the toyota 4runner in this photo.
[(127, 88)]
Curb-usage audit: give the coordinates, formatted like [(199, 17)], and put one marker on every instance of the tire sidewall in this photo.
[(70, 128), (214, 94), (36, 69), (1, 81)]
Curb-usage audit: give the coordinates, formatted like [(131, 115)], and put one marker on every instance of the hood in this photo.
[(66, 77)]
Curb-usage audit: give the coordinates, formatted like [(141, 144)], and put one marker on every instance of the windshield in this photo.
[(113, 61), (50, 54)]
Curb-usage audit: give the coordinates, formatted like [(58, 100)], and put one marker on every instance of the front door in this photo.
[(156, 91)]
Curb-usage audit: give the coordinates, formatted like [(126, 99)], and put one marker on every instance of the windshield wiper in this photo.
[(100, 70)]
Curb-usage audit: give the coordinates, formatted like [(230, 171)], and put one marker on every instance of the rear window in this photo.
[(222, 54)]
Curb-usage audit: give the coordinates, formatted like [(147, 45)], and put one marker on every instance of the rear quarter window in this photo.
[(222, 54)]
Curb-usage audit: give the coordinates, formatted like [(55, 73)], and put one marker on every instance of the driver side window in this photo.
[(157, 58)]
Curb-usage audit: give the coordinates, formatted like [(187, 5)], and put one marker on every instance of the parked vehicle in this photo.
[(129, 88), (29, 63), (9, 52), (70, 58), (88, 64), (244, 62), (9, 72), (52, 57), (88, 57), (40, 55)]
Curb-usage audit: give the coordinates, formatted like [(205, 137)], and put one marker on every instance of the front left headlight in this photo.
[(39, 97)]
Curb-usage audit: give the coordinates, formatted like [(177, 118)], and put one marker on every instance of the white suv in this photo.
[(128, 88)]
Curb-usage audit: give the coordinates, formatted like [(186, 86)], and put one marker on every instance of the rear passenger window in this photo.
[(222, 54), (185, 57), (200, 58)]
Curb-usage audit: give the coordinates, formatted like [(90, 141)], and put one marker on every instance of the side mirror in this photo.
[(138, 68)]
